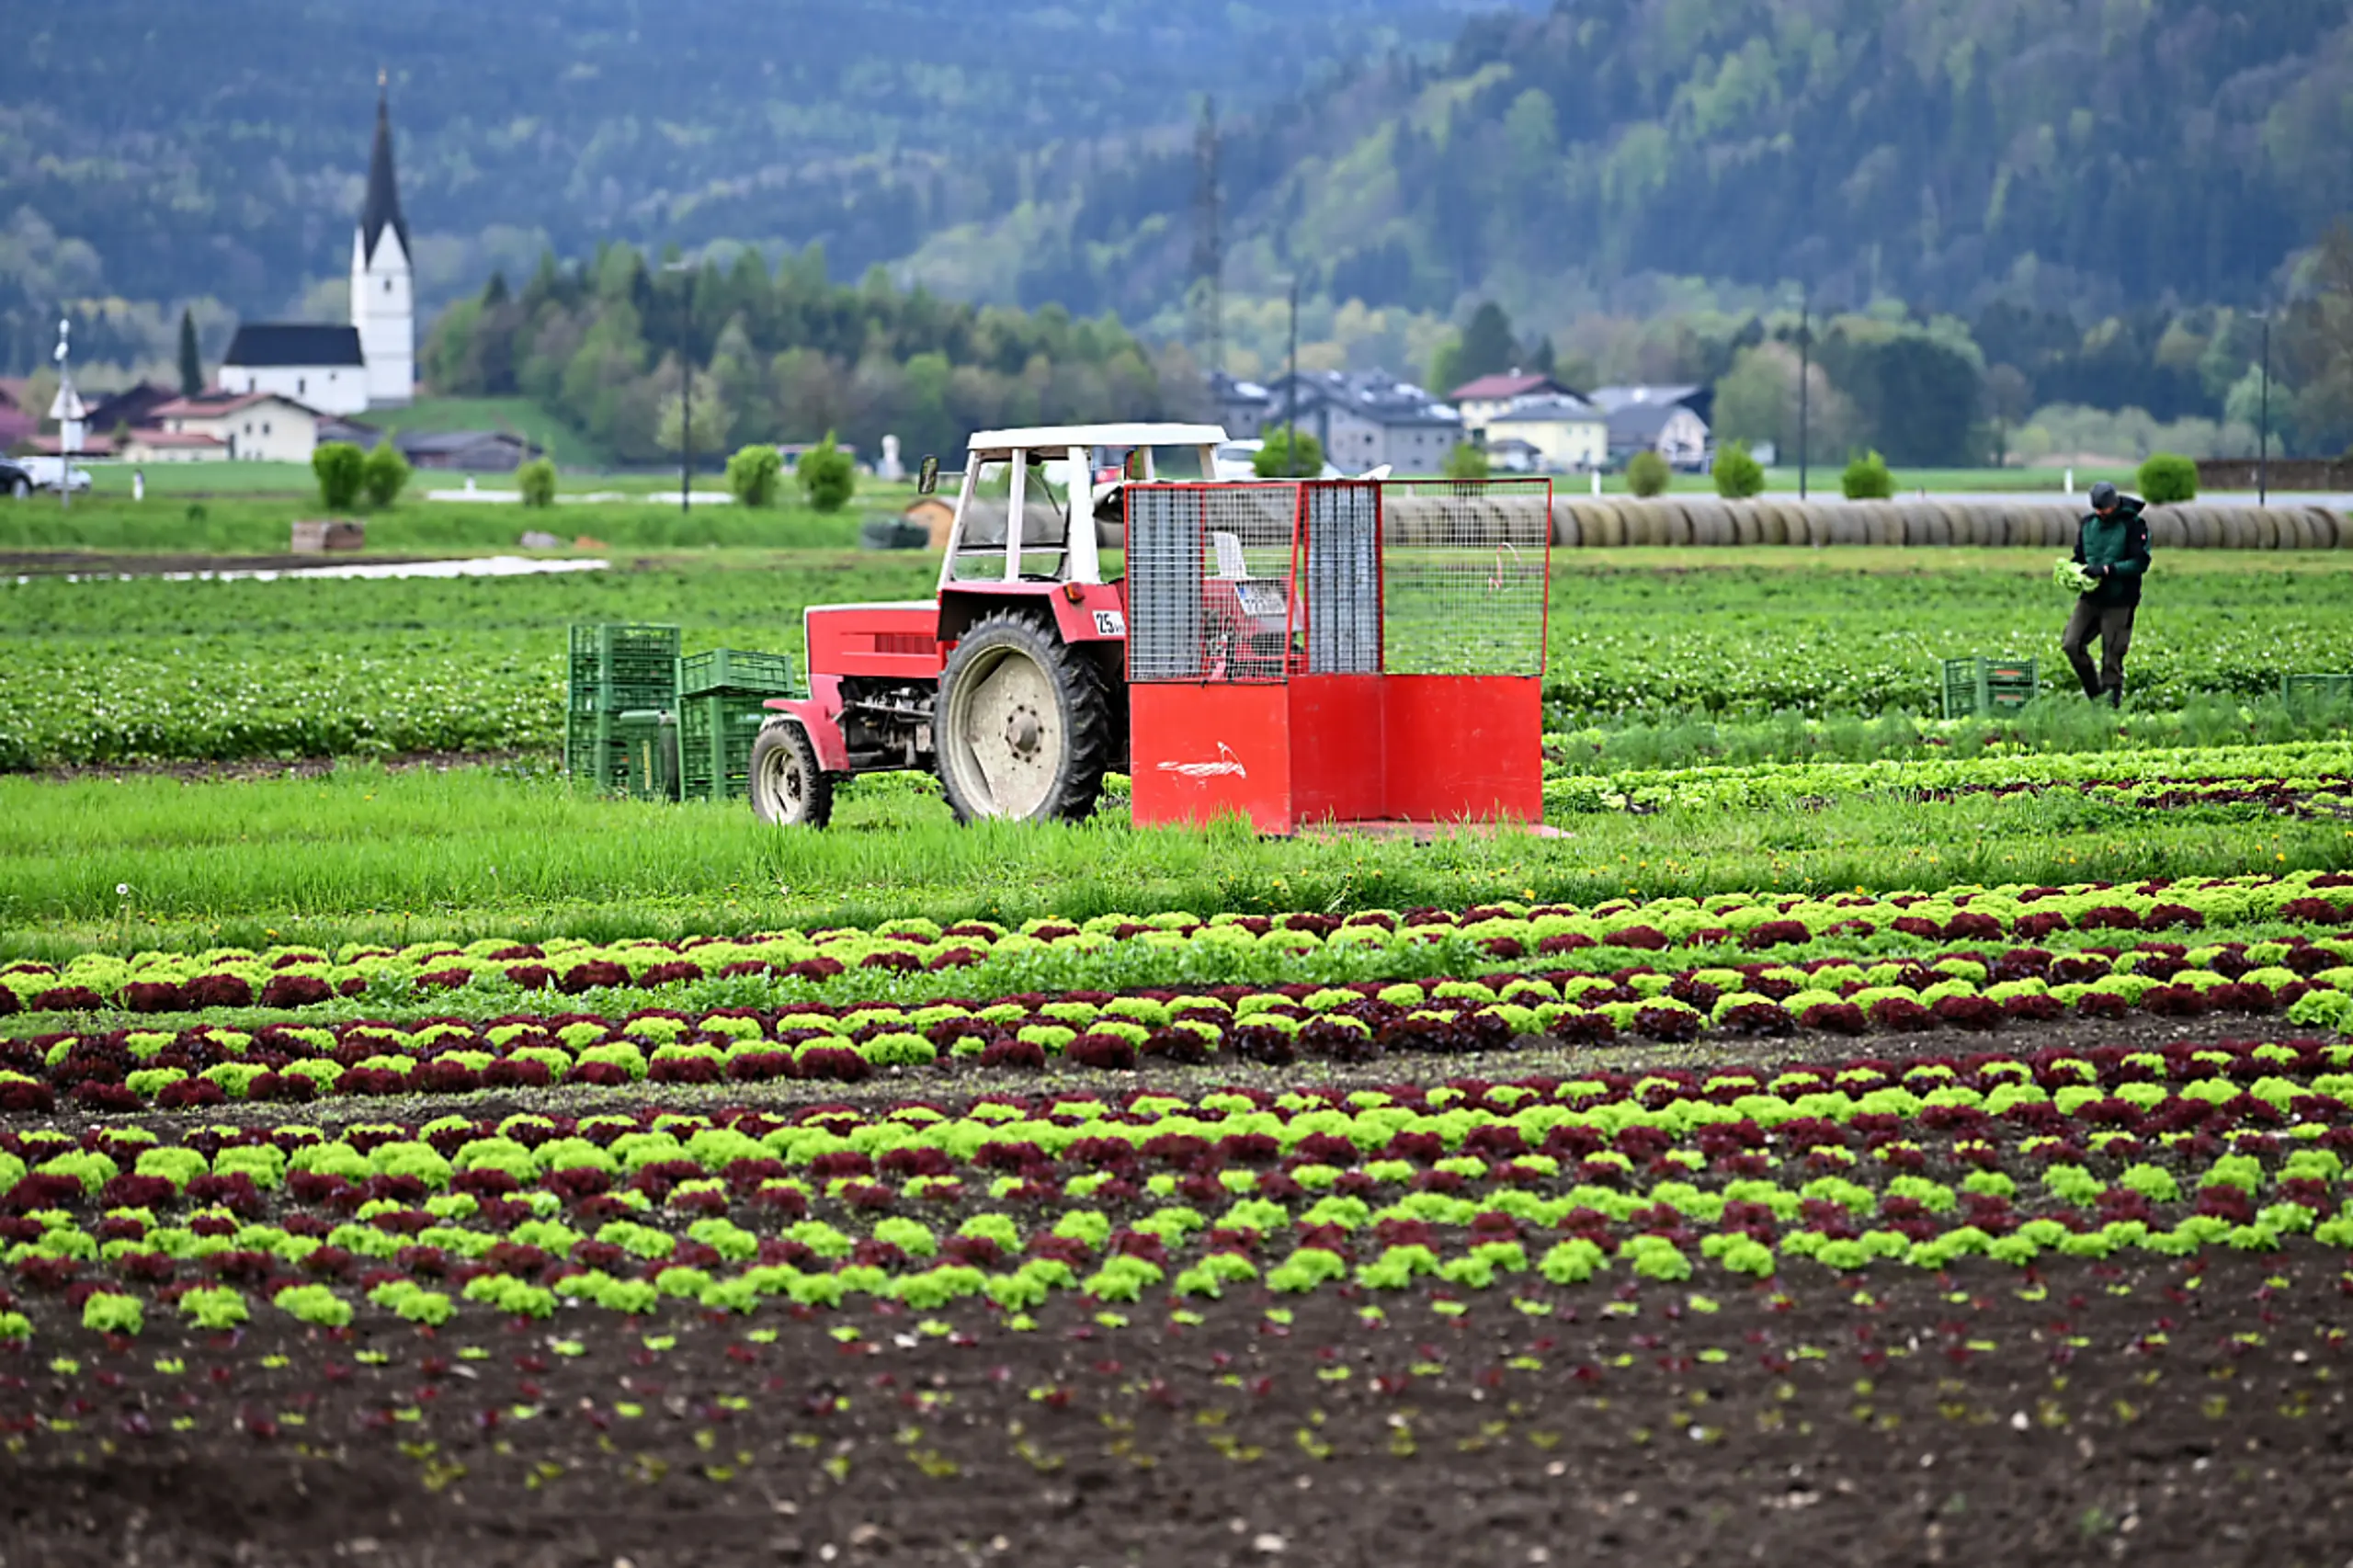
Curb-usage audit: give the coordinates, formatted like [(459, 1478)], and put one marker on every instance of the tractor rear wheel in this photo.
[(788, 786), (1024, 724)]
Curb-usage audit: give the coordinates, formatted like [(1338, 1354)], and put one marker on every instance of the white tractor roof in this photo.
[(1060, 438)]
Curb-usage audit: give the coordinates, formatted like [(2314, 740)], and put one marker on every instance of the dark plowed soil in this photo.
[(1987, 1417)]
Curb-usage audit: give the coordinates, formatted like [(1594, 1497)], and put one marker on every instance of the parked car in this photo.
[(48, 474), (14, 479)]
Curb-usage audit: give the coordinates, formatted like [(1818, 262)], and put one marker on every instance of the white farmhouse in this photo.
[(251, 426)]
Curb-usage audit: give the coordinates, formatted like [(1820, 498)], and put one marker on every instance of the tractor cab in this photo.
[(1046, 477)]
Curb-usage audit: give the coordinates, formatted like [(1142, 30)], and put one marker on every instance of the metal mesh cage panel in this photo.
[(1340, 579), (1463, 568), (1208, 580)]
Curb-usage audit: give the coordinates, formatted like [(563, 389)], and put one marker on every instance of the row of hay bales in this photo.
[(1579, 520)]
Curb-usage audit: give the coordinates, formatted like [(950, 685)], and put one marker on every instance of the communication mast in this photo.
[(1205, 293)]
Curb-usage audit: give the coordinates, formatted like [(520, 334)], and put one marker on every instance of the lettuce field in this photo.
[(115, 670), (1850, 1137)]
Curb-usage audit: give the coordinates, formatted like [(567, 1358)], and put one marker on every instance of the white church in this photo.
[(369, 364)]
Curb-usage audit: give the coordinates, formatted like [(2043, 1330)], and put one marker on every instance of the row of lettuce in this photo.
[(2317, 774), (1238, 946), (1011, 1198), (122, 1070)]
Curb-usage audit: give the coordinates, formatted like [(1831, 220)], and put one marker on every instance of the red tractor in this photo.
[(1350, 650)]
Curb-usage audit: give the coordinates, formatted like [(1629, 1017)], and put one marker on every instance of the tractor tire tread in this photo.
[(821, 783), (1087, 699)]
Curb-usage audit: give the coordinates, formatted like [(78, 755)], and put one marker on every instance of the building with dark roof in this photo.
[(313, 363), (471, 451), (1366, 419)]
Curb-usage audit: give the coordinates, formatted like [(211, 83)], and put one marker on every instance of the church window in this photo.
[(388, 285)]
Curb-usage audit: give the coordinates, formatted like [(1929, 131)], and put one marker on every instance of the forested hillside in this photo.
[(2079, 153), (780, 354), (161, 153)]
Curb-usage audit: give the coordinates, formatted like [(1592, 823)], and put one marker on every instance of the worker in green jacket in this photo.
[(2112, 545)]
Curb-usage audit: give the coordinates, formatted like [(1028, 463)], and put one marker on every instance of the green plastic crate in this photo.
[(617, 668), (715, 735), (592, 753), (2316, 688), (626, 752), (637, 737), (735, 670), (1990, 687)]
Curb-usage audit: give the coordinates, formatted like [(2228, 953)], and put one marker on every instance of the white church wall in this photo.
[(330, 389), (383, 308)]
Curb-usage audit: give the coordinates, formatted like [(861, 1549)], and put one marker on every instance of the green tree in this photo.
[(1466, 462), (1756, 400), (1738, 475), (828, 475), (1647, 473), (1281, 457), (342, 470), (2168, 476), (191, 362), (384, 473), (1867, 479), (710, 420), (536, 479), (752, 474), (1487, 348)]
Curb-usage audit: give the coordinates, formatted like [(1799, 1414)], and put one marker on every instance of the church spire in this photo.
[(384, 208)]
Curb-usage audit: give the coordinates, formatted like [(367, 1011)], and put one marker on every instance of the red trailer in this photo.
[(1347, 651)]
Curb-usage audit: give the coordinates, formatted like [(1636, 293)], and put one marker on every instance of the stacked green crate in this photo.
[(614, 670), (723, 701), (2317, 690), (1988, 687)]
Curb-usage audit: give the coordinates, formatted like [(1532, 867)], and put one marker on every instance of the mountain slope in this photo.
[(164, 151), (2085, 150)]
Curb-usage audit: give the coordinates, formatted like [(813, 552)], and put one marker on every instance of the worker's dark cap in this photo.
[(2103, 497)]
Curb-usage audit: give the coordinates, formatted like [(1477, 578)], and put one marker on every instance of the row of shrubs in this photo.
[(2165, 477), (828, 475)]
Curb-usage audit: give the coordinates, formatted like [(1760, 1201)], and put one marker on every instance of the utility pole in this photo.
[(686, 375), (67, 411), (1805, 378), (2263, 421), (1208, 291), (1291, 413)]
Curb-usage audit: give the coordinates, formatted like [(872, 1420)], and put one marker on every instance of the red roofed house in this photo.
[(254, 427), (153, 443), (16, 422), (1482, 399)]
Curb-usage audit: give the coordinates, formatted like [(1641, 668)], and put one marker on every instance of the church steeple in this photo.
[(384, 292), (383, 206)]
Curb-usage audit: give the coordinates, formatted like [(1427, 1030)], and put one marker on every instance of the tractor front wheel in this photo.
[(1025, 724), (788, 788)]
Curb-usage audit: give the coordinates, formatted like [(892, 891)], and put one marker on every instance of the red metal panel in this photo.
[(1464, 746), (824, 728), (1201, 750), (900, 642), (1338, 759)]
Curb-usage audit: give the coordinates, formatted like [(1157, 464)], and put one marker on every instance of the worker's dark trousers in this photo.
[(2112, 624)]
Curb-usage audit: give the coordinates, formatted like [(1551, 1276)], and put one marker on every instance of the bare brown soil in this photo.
[(1988, 1416)]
